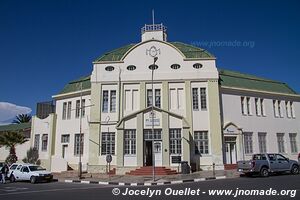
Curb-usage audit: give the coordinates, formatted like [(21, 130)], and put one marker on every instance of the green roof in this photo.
[(115, 55), (188, 51), (244, 81), (15, 127), (75, 85)]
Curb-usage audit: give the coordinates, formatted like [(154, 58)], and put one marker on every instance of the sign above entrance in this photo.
[(156, 122)]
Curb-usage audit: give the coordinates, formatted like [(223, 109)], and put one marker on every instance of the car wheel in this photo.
[(33, 179), (12, 178), (264, 172), (295, 169)]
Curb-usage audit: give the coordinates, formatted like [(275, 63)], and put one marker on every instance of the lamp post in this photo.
[(80, 134), (152, 116)]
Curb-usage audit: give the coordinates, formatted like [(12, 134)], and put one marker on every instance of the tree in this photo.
[(22, 118), (32, 156), (11, 139)]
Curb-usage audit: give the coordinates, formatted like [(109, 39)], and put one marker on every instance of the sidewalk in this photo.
[(143, 180)]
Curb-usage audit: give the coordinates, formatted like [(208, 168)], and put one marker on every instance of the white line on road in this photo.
[(51, 190)]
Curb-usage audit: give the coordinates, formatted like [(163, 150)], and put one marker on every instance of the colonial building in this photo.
[(199, 114)]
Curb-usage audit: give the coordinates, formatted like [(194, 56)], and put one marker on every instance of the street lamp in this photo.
[(80, 134), (153, 67)]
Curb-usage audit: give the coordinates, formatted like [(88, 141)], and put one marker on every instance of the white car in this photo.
[(32, 173)]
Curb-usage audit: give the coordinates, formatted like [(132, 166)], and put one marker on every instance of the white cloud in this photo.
[(9, 111)]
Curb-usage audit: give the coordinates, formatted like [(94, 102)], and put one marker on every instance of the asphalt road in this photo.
[(198, 190)]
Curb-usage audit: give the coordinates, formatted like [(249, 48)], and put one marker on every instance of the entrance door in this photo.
[(148, 153), (158, 153), (64, 151), (230, 150)]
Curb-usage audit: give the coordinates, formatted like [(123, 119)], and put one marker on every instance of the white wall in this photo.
[(231, 103), (21, 151), (72, 127)]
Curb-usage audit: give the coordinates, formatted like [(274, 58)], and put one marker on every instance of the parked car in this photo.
[(32, 173), (12, 168), (264, 164)]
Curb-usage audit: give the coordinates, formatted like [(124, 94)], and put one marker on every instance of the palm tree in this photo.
[(22, 118), (11, 139)]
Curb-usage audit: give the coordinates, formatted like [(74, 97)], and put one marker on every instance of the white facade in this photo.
[(196, 118), (259, 122)]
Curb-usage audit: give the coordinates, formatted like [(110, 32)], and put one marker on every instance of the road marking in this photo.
[(12, 189), (51, 190)]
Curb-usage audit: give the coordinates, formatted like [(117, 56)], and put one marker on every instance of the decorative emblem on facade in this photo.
[(153, 51)]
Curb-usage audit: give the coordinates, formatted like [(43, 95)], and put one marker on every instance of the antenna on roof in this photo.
[(153, 16)]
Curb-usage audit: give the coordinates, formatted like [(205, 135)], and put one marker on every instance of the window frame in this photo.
[(201, 140)]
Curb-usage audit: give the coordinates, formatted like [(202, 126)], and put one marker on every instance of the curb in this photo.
[(145, 183)]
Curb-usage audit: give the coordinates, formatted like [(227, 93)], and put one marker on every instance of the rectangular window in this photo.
[(173, 99), (37, 141), (262, 107), (157, 98), (275, 108), (77, 108), (280, 142), (195, 99), (130, 142), (78, 144), (257, 106), (148, 135), (248, 143), (44, 142), (292, 110), (69, 110), (135, 95), (105, 101), (203, 98), (64, 114), (262, 142), (279, 109), (127, 100), (293, 142), (248, 106), (201, 142), (65, 138), (243, 105), (175, 141), (108, 143), (113, 96), (83, 107), (149, 98), (180, 98)]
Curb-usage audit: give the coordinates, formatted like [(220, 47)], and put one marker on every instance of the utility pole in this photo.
[(152, 116)]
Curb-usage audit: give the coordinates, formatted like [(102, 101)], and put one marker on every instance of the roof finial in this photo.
[(153, 16)]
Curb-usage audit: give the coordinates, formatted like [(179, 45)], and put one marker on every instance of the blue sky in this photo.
[(45, 44)]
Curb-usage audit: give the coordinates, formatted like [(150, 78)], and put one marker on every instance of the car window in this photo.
[(13, 167), (271, 157), (259, 157), (24, 169), (19, 167), (280, 157), (36, 168)]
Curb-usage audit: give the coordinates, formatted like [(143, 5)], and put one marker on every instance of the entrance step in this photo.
[(230, 166), (147, 170)]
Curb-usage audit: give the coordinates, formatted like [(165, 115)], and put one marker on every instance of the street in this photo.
[(74, 191)]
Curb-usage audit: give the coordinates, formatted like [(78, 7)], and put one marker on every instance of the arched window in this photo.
[(109, 68), (175, 66), (197, 66), (131, 67)]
